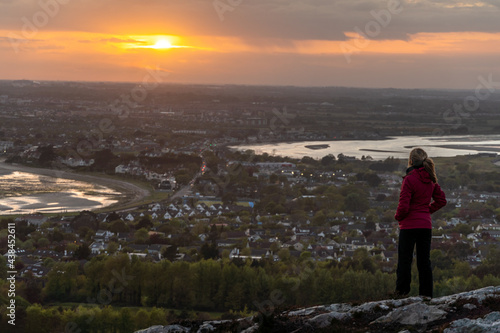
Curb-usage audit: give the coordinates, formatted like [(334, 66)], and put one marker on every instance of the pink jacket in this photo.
[(415, 206)]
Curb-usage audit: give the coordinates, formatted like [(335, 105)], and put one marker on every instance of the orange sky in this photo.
[(298, 43)]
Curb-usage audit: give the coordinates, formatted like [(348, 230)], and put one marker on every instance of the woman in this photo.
[(414, 216)]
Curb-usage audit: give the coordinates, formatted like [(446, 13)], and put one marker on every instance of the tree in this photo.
[(113, 217), (284, 254), (328, 160), (439, 259), (169, 252), (308, 160), (47, 155), (118, 226), (370, 225), (273, 178), (82, 252), (85, 219), (319, 218), (62, 281), (145, 223), (105, 160), (43, 242), (112, 247), (372, 179), (464, 228), (209, 251), (228, 198), (141, 236), (356, 202)]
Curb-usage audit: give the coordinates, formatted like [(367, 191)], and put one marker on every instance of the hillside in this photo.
[(474, 311)]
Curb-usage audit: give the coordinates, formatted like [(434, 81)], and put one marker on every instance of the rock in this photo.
[(205, 328), (370, 307), (165, 329), (339, 307), (152, 329), (478, 295), (469, 306), (489, 324), (251, 329), (413, 314), (306, 311), (386, 316), (325, 319)]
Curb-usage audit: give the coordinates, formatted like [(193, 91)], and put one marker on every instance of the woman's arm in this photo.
[(439, 199), (404, 200)]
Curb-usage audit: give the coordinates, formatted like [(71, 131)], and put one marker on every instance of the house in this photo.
[(48, 254), (98, 247), (235, 234), (157, 248), (103, 235), (122, 169), (494, 233), (489, 226), (297, 246), (454, 221), (37, 270), (156, 207), (72, 162), (255, 254), (33, 219), (138, 248), (125, 237), (227, 243)]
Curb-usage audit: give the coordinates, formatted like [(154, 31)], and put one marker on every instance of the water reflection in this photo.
[(22, 193), (398, 147)]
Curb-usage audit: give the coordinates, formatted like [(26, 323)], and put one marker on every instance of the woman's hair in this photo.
[(418, 157)]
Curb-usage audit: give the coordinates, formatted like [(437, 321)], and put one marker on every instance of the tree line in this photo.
[(108, 286)]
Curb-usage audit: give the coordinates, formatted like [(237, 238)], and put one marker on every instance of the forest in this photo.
[(116, 294)]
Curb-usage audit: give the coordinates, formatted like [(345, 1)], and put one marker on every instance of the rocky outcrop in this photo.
[(475, 311)]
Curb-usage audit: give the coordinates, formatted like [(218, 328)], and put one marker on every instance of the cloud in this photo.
[(261, 19), (120, 40), (258, 42)]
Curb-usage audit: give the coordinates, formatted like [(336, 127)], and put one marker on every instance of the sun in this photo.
[(162, 44)]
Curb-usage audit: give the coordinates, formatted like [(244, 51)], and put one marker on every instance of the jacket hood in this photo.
[(422, 174)]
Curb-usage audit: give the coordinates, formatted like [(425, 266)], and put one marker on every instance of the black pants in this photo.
[(408, 238)]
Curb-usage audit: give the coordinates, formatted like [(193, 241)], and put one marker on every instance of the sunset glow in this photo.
[(162, 44), (250, 47)]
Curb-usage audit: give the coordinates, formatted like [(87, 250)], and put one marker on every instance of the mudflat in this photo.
[(128, 193)]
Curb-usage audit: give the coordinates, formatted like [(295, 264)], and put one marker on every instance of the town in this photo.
[(242, 210)]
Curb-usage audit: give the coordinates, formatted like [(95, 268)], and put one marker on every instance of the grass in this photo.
[(476, 163), (213, 315), (214, 202), (153, 197)]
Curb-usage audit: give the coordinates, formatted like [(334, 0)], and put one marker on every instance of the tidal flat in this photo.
[(26, 190)]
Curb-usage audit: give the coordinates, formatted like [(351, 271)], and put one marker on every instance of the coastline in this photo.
[(396, 146), (130, 193)]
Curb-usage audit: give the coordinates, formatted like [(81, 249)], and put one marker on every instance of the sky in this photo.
[(440, 44)]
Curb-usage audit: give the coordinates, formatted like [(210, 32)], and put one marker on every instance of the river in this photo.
[(397, 146)]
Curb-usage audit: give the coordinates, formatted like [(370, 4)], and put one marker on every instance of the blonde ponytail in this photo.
[(418, 157)]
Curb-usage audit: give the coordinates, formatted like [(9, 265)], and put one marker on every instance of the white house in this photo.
[(98, 247)]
